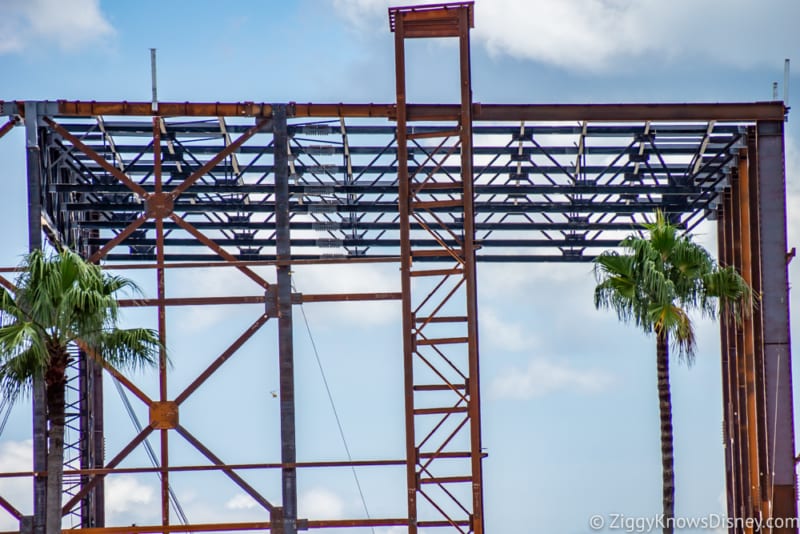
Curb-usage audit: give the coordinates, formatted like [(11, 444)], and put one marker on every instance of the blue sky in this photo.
[(570, 420)]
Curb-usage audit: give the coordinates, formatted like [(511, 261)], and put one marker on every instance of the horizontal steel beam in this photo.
[(733, 111)]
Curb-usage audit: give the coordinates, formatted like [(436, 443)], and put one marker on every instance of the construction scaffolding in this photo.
[(434, 189)]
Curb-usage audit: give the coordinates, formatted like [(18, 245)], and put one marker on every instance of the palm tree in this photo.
[(655, 283), (61, 300)]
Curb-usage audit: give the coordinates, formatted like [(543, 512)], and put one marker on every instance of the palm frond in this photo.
[(662, 278), (132, 348), (60, 298)]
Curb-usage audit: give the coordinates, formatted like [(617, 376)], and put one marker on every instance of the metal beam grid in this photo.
[(169, 192), (543, 191)]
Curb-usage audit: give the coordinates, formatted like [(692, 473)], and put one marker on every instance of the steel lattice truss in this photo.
[(433, 188), (543, 191)]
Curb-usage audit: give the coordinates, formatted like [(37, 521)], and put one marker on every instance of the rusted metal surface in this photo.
[(8, 126), (39, 417), (775, 312), (755, 357), (724, 111), (450, 409)]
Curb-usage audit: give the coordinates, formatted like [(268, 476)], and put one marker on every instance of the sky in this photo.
[(570, 420)]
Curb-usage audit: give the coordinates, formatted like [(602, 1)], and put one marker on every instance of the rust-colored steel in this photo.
[(748, 334), (728, 362), (97, 158), (454, 415), (405, 270), (242, 527), (257, 299), (745, 464), (8, 126), (162, 320), (443, 347), (756, 320), (225, 152), (724, 111), (771, 180)]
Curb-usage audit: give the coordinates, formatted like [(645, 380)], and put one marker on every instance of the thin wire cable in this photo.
[(150, 452), (335, 412)]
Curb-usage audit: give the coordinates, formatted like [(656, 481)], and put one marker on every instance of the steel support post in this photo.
[(91, 438), (756, 320), (775, 310), (405, 270), (729, 444), (34, 169), (285, 340), (470, 274), (744, 425), (439, 306)]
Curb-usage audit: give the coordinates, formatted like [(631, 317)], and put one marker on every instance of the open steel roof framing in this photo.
[(435, 188)]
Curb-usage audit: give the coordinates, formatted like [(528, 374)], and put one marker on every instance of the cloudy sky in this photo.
[(570, 420)]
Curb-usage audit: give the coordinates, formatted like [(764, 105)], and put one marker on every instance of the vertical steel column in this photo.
[(439, 305), (727, 364), (34, 169), (756, 320), (775, 309), (745, 425), (405, 271), (470, 273), (162, 317), (285, 341), (91, 439)]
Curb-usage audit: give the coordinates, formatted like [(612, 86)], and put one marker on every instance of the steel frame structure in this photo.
[(183, 185)]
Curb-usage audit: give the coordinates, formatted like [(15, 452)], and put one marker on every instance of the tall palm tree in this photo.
[(61, 300), (655, 283)]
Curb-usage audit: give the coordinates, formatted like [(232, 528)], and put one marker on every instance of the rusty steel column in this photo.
[(757, 322), (34, 171), (405, 278), (736, 451), (744, 428), (284, 301), (471, 274), (728, 363), (439, 305), (775, 309), (748, 353), (91, 438)]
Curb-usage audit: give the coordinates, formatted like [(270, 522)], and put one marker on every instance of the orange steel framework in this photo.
[(91, 189)]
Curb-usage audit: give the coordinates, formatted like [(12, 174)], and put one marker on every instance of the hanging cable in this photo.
[(335, 412), (173, 499)]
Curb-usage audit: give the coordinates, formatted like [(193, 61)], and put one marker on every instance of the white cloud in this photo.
[(241, 502), (594, 35), (15, 456), (543, 377), (125, 493), (320, 503), (69, 25), (339, 278), (502, 333)]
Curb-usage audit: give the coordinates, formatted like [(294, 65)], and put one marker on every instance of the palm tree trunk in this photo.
[(665, 409), (55, 378)]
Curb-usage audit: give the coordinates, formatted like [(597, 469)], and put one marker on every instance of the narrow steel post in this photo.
[(470, 274), (412, 482), (728, 364), (775, 309), (285, 341), (35, 242)]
